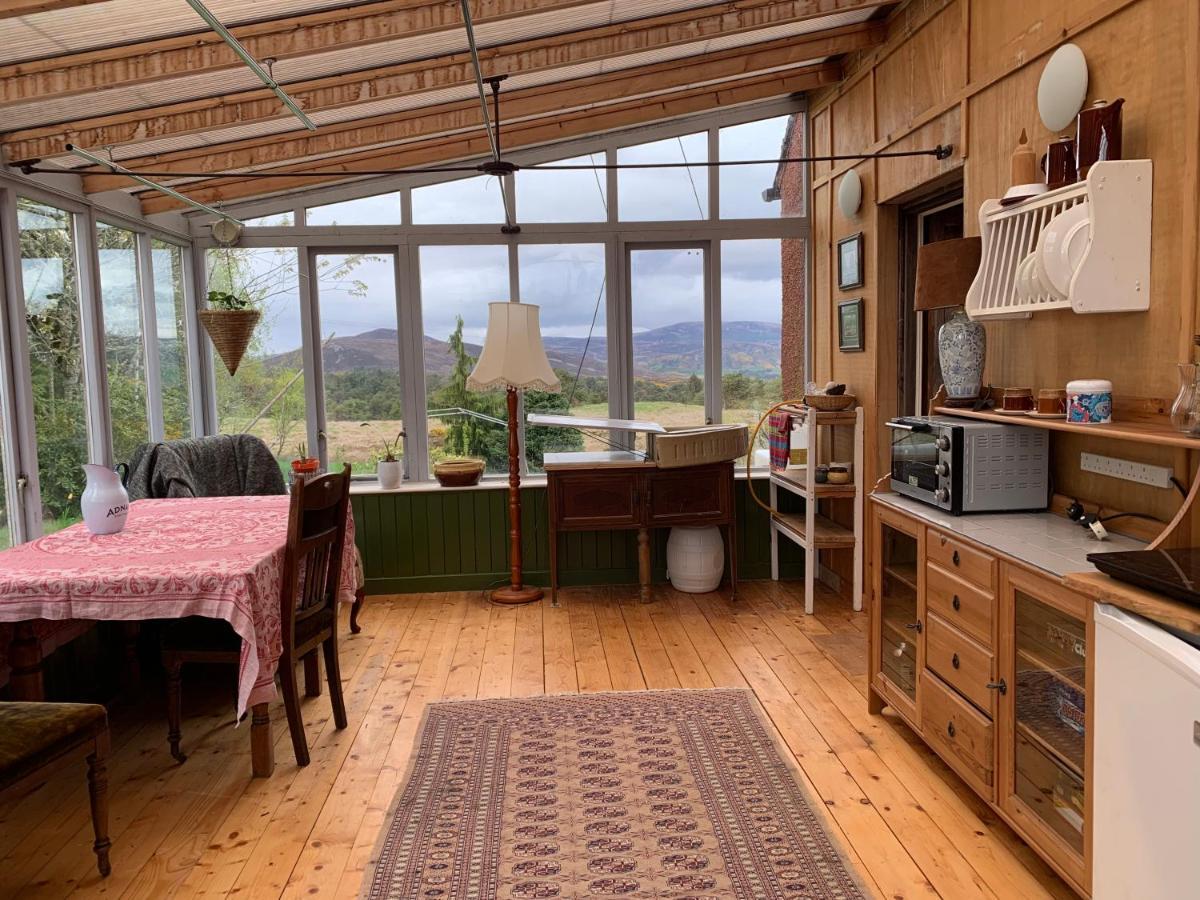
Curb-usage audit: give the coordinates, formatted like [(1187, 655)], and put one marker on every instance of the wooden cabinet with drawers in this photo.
[(986, 659)]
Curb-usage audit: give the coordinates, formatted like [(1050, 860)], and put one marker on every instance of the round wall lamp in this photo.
[(1063, 87), (849, 196)]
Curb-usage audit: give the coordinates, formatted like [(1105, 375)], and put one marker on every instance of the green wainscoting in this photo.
[(449, 540)]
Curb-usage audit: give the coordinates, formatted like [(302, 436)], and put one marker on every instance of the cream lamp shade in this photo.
[(513, 355), (945, 270)]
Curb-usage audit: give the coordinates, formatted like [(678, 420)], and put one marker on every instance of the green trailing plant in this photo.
[(224, 300)]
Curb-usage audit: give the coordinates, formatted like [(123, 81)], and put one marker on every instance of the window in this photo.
[(457, 283), (751, 329), (664, 194), (468, 201), (762, 191), (667, 292), (274, 220), (360, 357), (171, 340), (5, 533), (382, 209), (567, 281), (266, 396), (572, 195), (124, 352), (53, 331)]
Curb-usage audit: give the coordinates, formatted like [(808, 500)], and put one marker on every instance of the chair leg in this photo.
[(312, 674), (98, 792), (334, 670), (174, 668), (291, 700), (360, 600)]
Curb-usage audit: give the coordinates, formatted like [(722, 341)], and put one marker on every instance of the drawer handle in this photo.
[(956, 603), (955, 559), (1001, 686), (914, 626), (950, 729), (954, 661)]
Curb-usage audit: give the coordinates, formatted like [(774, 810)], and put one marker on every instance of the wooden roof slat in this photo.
[(547, 129), (10, 9), (339, 92)]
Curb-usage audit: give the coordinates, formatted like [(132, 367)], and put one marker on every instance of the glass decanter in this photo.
[(1185, 411)]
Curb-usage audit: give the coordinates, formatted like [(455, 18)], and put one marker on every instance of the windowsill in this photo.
[(487, 484)]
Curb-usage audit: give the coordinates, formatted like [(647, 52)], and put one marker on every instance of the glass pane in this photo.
[(170, 315), (457, 283), (573, 195), (898, 610), (664, 194), (751, 331), (48, 276), (266, 396), (1051, 704), (361, 359), (667, 293), (274, 220), (468, 201), (5, 534), (762, 191), (124, 351), (382, 209), (567, 281)]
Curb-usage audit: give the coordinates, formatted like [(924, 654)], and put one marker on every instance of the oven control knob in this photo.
[(943, 443), (942, 469), (941, 495)]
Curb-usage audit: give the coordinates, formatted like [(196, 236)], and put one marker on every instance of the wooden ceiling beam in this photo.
[(457, 115), (10, 9), (341, 92), (547, 129)]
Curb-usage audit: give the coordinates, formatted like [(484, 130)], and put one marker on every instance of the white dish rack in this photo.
[(1114, 272)]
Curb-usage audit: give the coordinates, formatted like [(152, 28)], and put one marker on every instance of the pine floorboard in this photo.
[(207, 829)]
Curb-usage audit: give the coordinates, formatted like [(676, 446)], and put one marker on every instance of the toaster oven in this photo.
[(968, 466)]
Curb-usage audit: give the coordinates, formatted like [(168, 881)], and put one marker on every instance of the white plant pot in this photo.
[(695, 559), (391, 474)]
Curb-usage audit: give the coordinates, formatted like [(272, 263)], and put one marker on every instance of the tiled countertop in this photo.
[(1043, 540)]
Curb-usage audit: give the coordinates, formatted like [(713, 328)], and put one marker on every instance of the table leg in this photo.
[(730, 531), (262, 748), (312, 675), (25, 656), (643, 541), (133, 665)]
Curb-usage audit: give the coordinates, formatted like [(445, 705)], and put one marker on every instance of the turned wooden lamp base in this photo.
[(515, 595)]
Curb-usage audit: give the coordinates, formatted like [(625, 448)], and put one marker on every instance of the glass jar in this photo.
[(1185, 412)]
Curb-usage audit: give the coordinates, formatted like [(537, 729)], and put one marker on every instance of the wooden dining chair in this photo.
[(308, 598)]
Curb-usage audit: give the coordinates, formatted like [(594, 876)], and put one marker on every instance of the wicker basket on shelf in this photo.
[(829, 402), (458, 472), (230, 331)]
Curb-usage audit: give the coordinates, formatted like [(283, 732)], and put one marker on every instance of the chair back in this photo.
[(313, 559)]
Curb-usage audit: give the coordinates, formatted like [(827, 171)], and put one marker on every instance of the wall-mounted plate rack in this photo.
[(1113, 274)]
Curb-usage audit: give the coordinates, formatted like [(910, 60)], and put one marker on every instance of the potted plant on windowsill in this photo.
[(230, 321), (304, 465), (390, 468)]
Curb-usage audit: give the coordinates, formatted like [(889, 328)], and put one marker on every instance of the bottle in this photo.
[(1185, 411)]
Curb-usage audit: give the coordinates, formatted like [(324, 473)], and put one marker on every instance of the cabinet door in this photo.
[(897, 611), (1045, 715), (597, 500), (690, 495)]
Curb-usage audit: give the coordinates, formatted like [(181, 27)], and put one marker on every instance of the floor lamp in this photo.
[(513, 358)]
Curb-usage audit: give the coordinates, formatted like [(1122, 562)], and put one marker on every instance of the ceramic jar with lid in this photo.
[(1089, 401)]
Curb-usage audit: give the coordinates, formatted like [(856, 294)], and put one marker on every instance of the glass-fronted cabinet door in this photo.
[(897, 612), (1045, 717)]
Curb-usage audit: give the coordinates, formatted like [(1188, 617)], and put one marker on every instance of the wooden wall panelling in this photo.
[(924, 72), (822, 141), (822, 297)]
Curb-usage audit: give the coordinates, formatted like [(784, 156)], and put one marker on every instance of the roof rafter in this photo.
[(542, 130), (13, 8), (340, 92)]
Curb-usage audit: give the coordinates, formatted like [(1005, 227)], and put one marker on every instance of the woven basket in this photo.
[(829, 402), (230, 331), (458, 472)]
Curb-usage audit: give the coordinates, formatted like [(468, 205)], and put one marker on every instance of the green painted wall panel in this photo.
[(458, 540)]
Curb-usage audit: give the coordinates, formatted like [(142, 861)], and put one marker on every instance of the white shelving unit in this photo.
[(812, 530)]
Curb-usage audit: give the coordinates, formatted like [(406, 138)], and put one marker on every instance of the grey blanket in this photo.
[(224, 465)]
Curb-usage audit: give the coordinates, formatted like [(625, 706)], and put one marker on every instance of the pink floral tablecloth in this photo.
[(220, 557)]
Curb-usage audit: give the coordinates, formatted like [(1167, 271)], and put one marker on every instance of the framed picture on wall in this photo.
[(850, 262), (851, 331)]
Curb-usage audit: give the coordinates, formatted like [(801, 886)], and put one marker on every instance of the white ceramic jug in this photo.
[(105, 503)]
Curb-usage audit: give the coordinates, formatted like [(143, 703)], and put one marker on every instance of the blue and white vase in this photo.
[(962, 349)]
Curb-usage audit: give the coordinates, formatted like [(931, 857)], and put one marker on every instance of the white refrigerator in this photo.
[(1146, 786)]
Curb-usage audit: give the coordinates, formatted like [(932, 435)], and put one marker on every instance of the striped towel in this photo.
[(779, 431)]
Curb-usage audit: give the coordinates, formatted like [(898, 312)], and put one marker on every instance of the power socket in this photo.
[(1142, 473)]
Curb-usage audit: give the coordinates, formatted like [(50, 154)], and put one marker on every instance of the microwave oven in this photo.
[(966, 466)]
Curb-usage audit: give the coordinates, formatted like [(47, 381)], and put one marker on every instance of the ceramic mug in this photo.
[(1051, 402), (1016, 399), (1058, 163)]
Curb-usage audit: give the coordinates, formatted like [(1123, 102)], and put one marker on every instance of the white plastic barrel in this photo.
[(695, 559)]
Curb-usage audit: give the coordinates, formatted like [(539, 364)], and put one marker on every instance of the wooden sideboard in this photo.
[(619, 491)]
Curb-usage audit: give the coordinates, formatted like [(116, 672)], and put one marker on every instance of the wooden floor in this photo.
[(206, 828)]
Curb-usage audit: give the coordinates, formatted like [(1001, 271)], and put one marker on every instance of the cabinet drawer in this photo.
[(963, 606), (595, 501), (693, 495), (963, 737), (961, 662), (966, 562)]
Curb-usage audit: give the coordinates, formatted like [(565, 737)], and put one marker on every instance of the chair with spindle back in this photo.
[(308, 609)]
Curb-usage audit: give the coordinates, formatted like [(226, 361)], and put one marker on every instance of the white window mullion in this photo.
[(712, 332), (412, 365), (310, 339), (201, 375), (91, 315), (145, 280), (16, 396)]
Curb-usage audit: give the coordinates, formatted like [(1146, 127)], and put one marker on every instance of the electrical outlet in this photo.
[(1142, 473)]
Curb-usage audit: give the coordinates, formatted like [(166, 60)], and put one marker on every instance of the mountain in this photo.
[(667, 353)]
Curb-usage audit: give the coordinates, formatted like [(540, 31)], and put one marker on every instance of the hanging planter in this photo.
[(229, 321)]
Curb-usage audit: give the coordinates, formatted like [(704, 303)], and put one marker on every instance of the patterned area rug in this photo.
[(653, 794)]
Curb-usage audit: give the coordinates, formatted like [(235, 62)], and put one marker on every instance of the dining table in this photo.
[(217, 557)]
